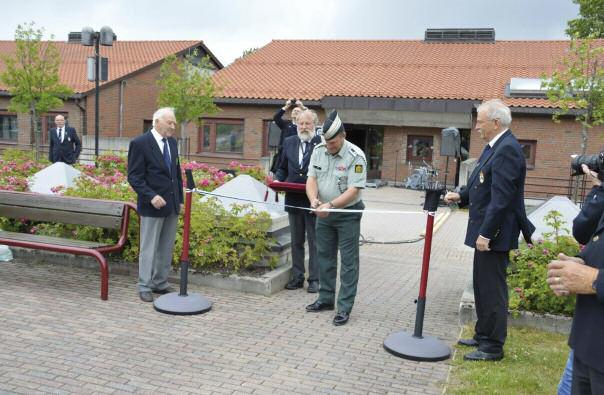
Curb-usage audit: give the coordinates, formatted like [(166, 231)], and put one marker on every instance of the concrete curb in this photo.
[(544, 322), (267, 284)]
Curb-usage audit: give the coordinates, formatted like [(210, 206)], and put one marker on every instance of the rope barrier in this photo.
[(331, 210)]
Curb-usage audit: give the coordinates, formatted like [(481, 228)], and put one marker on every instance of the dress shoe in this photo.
[(471, 342), (341, 318), (313, 287), (483, 356), (319, 306), (163, 291), (146, 296), (295, 283)]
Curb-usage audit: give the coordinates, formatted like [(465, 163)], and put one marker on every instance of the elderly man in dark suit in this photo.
[(495, 196), (154, 174), (64, 144), (583, 276), (293, 168)]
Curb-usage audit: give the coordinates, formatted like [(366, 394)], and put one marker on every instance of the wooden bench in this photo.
[(67, 210)]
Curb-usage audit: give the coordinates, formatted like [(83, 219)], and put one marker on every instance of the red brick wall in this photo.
[(139, 103), (253, 129), (23, 120)]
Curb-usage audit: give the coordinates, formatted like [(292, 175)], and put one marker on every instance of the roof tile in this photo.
[(312, 69), (125, 57)]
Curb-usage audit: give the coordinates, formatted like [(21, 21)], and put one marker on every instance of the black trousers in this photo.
[(490, 299), (586, 381)]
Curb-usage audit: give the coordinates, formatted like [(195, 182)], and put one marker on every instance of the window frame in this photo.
[(11, 114), (412, 158), (212, 123), (532, 159)]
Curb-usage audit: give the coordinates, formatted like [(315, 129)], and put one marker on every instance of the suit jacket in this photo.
[(495, 194), (585, 223), (287, 127), (586, 333), (68, 151), (291, 171), (149, 176)]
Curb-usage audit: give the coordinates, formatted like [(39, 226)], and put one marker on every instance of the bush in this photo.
[(225, 241), (15, 167), (220, 240), (528, 271)]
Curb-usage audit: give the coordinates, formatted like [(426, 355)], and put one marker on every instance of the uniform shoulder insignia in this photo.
[(321, 144)]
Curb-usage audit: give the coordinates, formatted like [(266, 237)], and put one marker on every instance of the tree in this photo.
[(579, 86), (590, 24), (31, 76), (186, 85)]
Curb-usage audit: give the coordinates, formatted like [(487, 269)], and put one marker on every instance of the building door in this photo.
[(370, 139)]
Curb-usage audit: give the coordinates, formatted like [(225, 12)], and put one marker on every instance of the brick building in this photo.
[(396, 96), (126, 101)]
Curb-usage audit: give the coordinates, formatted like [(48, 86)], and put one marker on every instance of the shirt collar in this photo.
[(494, 140), (157, 136)]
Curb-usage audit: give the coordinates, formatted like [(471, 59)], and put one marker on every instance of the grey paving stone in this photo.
[(57, 333)]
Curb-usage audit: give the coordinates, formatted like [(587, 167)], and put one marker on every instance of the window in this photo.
[(8, 127), (221, 136), (147, 125), (529, 149), (419, 148)]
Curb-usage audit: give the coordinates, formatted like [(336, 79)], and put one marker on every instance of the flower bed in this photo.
[(220, 240), (528, 271)]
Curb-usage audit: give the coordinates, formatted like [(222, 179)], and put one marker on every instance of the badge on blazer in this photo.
[(481, 177)]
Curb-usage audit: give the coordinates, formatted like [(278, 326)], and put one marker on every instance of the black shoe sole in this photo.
[(321, 309)]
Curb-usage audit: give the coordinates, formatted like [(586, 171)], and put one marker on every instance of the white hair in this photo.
[(312, 114), (162, 112), (496, 109)]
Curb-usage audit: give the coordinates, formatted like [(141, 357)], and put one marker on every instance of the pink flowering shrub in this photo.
[(220, 240), (528, 271), (15, 166)]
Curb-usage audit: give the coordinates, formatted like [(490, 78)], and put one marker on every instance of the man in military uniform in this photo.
[(336, 174)]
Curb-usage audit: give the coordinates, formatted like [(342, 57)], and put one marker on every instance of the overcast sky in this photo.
[(228, 27)]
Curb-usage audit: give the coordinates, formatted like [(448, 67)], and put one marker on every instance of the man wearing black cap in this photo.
[(336, 174)]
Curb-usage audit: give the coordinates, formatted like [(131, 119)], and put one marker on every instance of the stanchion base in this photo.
[(426, 348), (190, 304)]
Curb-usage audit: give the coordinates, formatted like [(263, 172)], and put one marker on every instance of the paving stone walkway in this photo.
[(57, 336)]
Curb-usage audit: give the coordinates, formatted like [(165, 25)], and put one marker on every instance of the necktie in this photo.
[(61, 134), (304, 152), (167, 155)]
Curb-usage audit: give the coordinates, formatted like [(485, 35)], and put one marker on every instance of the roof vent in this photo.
[(74, 37), (526, 87), (460, 35)]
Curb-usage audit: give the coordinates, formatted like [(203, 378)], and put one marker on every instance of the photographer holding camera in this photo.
[(288, 128), (582, 276)]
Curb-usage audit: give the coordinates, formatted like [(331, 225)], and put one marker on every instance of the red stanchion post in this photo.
[(416, 346), (182, 303)]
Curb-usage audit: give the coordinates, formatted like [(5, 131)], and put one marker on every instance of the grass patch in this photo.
[(533, 363)]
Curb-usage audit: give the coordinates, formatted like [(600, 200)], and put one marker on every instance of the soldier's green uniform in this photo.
[(334, 174)]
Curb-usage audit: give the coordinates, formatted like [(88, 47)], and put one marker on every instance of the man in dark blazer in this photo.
[(293, 168), (64, 144), (495, 196), (154, 174), (582, 276)]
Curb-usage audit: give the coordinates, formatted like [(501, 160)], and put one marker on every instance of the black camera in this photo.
[(594, 162)]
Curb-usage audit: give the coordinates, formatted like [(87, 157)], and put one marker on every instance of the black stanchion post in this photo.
[(181, 303), (419, 347)]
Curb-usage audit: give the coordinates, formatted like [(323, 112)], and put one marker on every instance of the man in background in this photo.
[(64, 144)]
